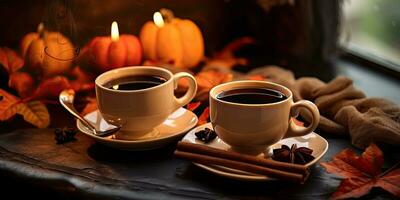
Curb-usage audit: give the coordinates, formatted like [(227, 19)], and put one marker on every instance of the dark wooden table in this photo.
[(32, 163)]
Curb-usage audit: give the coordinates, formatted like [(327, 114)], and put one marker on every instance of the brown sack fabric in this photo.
[(344, 109)]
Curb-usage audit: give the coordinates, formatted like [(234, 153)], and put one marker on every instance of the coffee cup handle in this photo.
[(296, 130), (190, 93)]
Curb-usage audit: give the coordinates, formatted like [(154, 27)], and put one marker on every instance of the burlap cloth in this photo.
[(343, 108)]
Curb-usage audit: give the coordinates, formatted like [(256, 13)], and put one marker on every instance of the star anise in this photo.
[(206, 135), (296, 155), (64, 135)]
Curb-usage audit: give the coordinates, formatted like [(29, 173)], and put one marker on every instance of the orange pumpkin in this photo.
[(107, 54), (172, 40), (50, 53)]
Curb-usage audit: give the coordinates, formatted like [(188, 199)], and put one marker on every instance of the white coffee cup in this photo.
[(252, 128), (140, 111)]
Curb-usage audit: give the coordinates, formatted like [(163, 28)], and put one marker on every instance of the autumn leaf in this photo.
[(391, 182), (50, 88), (8, 104), (82, 81), (22, 82), (193, 106), (226, 57), (362, 173), (206, 80), (203, 119), (204, 116), (210, 78), (34, 112), (229, 50), (10, 60)]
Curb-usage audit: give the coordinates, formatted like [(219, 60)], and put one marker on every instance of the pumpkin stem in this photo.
[(167, 14)]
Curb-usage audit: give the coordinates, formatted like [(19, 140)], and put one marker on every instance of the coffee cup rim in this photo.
[(97, 80), (214, 97)]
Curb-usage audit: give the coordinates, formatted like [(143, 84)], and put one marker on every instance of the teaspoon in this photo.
[(67, 100)]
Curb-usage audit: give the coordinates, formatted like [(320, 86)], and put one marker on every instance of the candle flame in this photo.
[(114, 31), (40, 27), (158, 19)]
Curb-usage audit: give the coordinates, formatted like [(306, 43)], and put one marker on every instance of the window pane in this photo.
[(371, 28)]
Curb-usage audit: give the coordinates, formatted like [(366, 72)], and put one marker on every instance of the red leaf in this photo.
[(10, 60), (353, 187), (51, 88), (8, 105), (391, 182), (193, 106), (204, 116), (340, 165), (372, 160), (22, 82), (362, 173), (82, 80)]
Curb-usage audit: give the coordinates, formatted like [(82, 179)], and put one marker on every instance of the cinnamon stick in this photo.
[(205, 150), (206, 159)]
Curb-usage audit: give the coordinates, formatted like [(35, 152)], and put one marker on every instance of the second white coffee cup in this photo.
[(252, 127)]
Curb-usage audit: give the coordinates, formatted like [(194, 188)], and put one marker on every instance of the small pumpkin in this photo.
[(106, 54), (51, 53), (172, 40)]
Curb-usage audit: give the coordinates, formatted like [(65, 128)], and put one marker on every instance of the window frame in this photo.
[(355, 53)]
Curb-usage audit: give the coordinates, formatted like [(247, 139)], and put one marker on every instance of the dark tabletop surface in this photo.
[(32, 162)]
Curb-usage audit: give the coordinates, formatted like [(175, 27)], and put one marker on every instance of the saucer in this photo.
[(313, 141), (174, 127)]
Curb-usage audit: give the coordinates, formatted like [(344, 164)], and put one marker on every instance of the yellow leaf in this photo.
[(34, 112)]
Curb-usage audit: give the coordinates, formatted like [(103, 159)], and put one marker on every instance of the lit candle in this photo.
[(109, 52), (171, 40)]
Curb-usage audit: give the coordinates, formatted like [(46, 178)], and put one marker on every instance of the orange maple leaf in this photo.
[(50, 88), (362, 173), (34, 112), (8, 105), (210, 78)]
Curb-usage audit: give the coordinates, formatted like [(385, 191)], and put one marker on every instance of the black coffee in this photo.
[(137, 82), (252, 96)]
